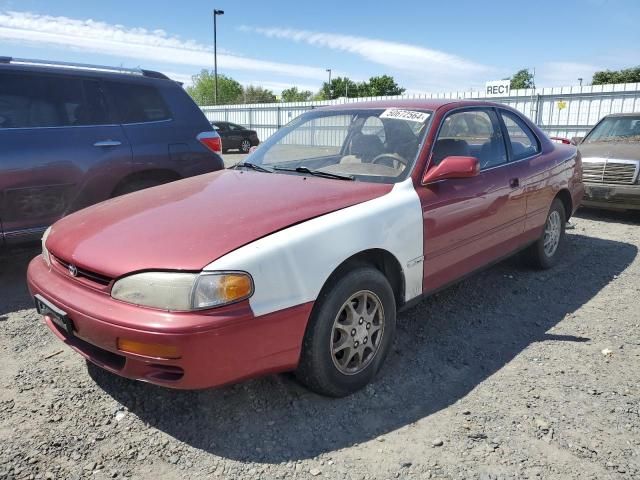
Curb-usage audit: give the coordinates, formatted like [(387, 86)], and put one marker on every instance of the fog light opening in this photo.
[(153, 350)]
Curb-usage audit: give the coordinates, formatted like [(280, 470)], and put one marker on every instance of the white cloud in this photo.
[(436, 67), (557, 74), (133, 43)]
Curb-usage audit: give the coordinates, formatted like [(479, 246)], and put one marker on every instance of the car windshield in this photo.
[(372, 145), (616, 129)]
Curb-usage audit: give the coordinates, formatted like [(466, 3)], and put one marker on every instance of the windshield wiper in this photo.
[(317, 173), (252, 166)]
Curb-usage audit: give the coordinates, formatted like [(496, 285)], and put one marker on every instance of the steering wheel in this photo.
[(390, 156)]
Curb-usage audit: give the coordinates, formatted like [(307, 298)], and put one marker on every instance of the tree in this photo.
[(254, 94), (294, 95), (202, 90), (627, 75), (522, 79), (380, 86), (340, 87)]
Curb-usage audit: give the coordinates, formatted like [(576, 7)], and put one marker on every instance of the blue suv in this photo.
[(73, 135)]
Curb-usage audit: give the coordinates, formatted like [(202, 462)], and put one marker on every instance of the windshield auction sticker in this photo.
[(408, 115)]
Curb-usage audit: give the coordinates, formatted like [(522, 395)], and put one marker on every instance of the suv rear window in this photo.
[(137, 103), (33, 101)]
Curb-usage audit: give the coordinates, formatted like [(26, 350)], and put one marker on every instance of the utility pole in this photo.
[(329, 70), (215, 53)]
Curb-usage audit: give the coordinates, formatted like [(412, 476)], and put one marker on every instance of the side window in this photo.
[(523, 142), (474, 133), (49, 101), (137, 103), (94, 111), (235, 128), (221, 127)]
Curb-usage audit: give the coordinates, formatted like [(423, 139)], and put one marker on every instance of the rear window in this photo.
[(137, 103), (36, 101)]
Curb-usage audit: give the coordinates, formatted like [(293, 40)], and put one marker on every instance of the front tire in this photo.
[(545, 253), (350, 332)]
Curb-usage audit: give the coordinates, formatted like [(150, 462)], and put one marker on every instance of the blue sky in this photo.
[(427, 46)]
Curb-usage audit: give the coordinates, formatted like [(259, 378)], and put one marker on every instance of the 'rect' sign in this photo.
[(497, 88)]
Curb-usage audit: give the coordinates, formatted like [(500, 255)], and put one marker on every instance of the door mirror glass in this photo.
[(452, 167)]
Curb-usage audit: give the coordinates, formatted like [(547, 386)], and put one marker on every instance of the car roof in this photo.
[(422, 104), (143, 75), (628, 114)]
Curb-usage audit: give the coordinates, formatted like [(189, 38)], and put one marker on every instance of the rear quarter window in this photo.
[(137, 103)]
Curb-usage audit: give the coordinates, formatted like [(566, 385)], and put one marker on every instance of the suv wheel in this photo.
[(349, 334)]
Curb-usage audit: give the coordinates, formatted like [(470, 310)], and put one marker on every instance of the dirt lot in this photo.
[(511, 374)]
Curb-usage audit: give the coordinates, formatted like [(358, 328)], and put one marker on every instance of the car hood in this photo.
[(619, 150), (187, 224)]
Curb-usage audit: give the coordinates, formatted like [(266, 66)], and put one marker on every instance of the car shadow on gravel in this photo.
[(446, 346), (14, 294)]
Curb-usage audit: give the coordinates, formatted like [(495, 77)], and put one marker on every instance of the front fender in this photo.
[(290, 267)]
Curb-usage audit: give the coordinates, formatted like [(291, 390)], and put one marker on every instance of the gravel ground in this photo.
[(510, 374)]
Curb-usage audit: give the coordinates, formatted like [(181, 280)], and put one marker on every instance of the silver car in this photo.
[(611, 162)]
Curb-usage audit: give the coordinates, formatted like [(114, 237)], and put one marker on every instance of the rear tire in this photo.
[(546, 251), (350, 332), (139, 184), (245, 146)]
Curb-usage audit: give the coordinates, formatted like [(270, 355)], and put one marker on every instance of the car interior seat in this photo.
[(493, 153), (366, 147)]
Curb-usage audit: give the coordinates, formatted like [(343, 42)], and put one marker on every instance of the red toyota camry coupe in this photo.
[(299, 257)]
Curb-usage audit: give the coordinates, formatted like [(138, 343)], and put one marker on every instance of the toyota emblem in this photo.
[(73, 270)]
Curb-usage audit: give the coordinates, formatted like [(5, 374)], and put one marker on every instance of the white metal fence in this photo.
[(559, 111)]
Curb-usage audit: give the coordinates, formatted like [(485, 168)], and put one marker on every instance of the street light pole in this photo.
[(329, 70), (215, 54)]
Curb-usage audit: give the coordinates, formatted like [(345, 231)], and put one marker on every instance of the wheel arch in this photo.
[(162, 175), (565, 197), (378, 258)]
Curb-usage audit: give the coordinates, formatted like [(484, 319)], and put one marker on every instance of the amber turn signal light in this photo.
[(155, 350)]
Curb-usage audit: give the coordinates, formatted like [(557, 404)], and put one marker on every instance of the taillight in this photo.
[(564, 141), (211, 140)]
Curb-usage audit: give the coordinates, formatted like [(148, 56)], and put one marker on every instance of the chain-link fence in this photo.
[(559, 111)]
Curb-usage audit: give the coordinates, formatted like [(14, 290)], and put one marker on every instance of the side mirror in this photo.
[(452, 167), (577, 140)]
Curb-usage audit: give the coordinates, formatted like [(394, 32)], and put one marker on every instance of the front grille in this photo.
[(86, 274), (610, 171)]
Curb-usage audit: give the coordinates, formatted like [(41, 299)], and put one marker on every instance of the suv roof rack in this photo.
[(83, 66)]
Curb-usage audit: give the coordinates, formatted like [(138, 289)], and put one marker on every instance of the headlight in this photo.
[(183, 291), (45, 253)]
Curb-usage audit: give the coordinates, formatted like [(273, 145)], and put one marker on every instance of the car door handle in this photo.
[(514, 182), (107, 143)]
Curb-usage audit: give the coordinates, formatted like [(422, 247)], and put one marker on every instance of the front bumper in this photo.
[(611, 196), (217, 346)]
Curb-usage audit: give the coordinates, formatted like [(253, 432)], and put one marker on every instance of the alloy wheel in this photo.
[(552, 232), (357, 332)]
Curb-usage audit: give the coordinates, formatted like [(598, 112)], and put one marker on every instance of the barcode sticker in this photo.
[(408, 115)]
